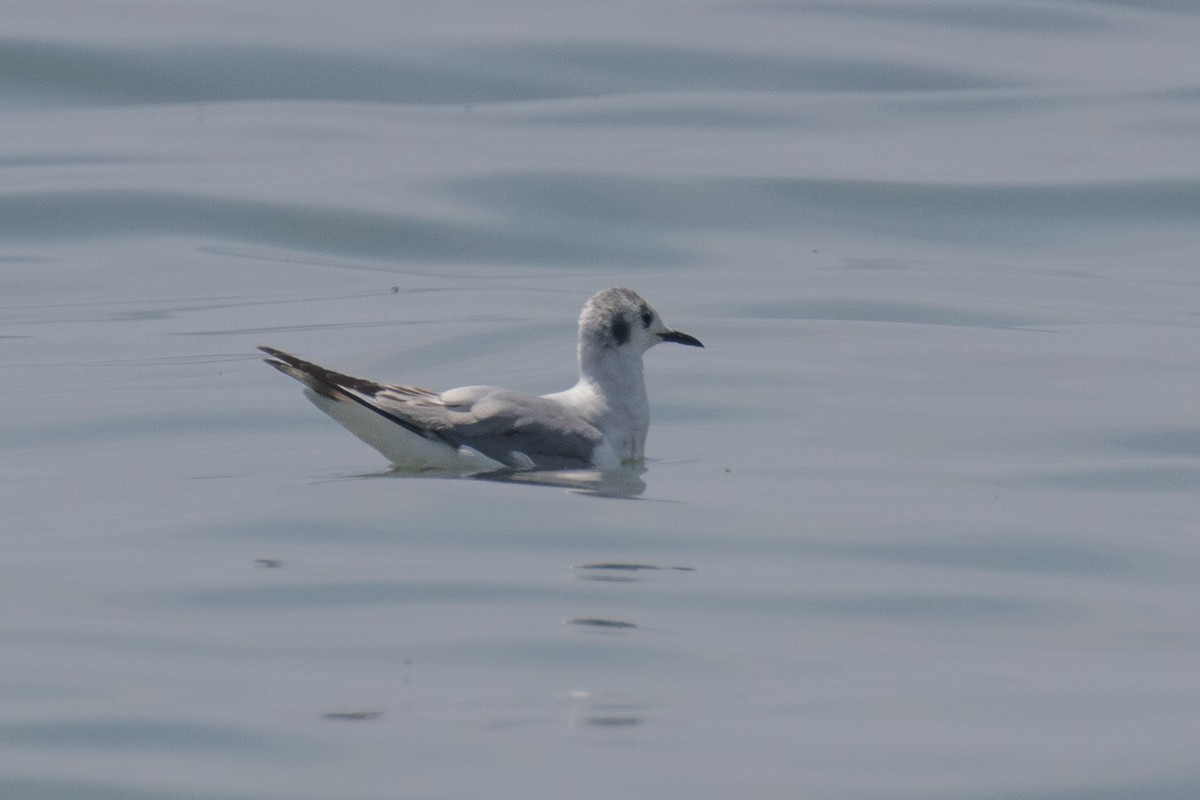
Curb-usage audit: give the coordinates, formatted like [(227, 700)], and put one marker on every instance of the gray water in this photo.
[(921, 521)]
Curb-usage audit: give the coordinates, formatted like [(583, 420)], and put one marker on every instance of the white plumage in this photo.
[(600, 422)]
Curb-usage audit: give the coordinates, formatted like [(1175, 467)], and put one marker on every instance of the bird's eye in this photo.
[(647, 318)]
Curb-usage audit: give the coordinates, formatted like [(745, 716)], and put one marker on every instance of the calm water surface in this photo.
[(920, 521)]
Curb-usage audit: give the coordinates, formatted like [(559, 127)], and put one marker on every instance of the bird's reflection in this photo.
[(625, 482)]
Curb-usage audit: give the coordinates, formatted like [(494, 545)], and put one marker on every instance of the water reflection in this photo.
[(625, 482), (604, 624), (622, 483), (606, 710), (618, 572)]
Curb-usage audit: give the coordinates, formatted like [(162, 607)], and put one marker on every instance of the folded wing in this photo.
[(474, 427)]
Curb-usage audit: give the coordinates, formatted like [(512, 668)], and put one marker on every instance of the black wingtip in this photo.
[(280, 361)]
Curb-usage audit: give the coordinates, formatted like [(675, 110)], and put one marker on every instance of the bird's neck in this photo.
[(613, 385), (615, 376)]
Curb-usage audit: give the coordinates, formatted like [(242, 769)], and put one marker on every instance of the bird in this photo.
[(600, 423)]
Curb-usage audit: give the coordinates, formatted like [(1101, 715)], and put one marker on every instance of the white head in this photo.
[(617, 323)]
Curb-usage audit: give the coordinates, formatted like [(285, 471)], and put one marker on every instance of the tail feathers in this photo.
[(324, 382), (352, 402), (338, 388)]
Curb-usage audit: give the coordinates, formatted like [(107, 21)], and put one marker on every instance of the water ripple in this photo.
[(1020, 215), (60, 73), (135, 734), (114, 213)]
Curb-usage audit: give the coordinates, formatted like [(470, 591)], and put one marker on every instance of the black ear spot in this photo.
[(647, 317), (620, 330)]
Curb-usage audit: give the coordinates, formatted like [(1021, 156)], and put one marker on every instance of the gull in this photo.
[(600, 422)]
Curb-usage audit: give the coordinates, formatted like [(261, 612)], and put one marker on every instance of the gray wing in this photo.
[(499, 423)]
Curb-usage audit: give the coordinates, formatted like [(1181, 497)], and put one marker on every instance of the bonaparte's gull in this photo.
[(601, 422)]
